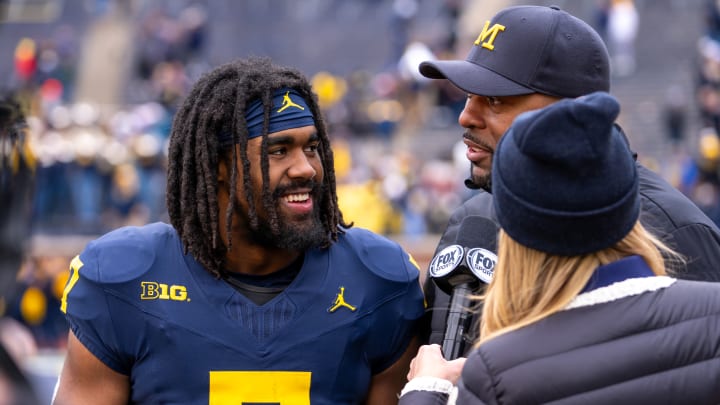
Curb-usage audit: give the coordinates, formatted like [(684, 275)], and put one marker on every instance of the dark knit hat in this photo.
[(564, 179), (529, 49)]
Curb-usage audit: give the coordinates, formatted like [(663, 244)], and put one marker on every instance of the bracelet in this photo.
[(434, 384)]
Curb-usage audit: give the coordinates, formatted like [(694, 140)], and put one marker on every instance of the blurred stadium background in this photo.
[(100, 80)]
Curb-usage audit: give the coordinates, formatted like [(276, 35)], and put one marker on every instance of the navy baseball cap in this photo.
[(530, 49)]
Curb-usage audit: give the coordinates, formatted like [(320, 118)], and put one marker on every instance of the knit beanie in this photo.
[(564, 179)]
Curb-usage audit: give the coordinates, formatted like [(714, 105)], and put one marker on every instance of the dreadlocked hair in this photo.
[(216, 105)]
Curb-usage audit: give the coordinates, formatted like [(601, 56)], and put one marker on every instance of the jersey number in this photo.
[(238, 387), (259, 387)]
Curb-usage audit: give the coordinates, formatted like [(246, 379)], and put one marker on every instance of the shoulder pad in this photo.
[(126, 253), (382, 256)]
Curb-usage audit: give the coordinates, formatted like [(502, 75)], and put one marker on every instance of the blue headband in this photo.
[(289, 110)]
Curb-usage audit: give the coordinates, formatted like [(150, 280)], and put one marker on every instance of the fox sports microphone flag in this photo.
[(461, 270)]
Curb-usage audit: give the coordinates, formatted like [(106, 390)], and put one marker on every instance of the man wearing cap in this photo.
[(528, 57), (581, 309), (257, 291)]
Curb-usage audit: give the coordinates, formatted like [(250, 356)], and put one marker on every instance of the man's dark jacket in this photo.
[(665, 212)]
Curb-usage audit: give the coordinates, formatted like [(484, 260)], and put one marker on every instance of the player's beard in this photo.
[(293, 234)]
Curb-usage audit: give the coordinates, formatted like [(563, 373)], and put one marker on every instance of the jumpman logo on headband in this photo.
[(340, 302), (287, 103)]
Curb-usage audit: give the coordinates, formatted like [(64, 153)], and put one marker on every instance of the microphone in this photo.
[(458, 270)]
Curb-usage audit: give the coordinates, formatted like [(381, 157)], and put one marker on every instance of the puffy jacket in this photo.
[(665, 212), (651, 340), (655, 348)]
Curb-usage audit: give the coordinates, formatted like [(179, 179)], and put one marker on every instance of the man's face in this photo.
[(295, 174), (486, 119)]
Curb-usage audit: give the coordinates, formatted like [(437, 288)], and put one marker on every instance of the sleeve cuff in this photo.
[(433, 384)]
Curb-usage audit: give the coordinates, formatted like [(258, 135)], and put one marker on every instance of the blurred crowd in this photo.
[(700, 175), (98, 168)]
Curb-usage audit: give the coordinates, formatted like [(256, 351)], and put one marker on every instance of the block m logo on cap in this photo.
[(489, 32)]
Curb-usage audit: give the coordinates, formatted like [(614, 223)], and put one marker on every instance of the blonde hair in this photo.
[(529, 285)]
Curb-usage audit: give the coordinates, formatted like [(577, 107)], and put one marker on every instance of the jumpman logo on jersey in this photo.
[(340, 302), (287, 103)]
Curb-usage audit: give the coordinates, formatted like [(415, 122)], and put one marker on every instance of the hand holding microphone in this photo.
[(429, 362), (460, 270)]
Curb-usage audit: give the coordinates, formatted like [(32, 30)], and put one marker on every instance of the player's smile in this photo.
[(298, 203), (296, 200)]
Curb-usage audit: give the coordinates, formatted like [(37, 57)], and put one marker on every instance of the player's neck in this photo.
[(258, 260)]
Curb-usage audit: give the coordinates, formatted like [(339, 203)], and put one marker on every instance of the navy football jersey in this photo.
[(149, 311)]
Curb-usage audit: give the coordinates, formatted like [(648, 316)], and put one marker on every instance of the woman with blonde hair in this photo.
[(580, 309)]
